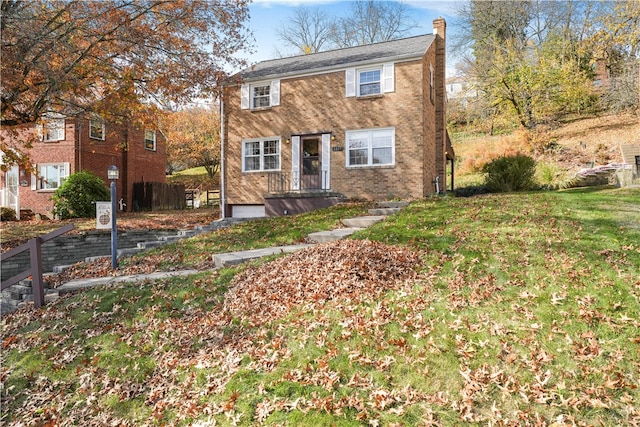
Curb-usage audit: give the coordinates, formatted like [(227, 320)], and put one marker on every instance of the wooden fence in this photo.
[(153, 196)]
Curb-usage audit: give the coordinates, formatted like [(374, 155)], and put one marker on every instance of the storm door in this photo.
[(11, 196), (311, 157)]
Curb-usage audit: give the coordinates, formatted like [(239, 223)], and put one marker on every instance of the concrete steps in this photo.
[(235, 258), (363, 221), (332, 235)]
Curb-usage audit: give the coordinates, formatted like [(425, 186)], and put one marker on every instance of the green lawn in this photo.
[(524, 311)]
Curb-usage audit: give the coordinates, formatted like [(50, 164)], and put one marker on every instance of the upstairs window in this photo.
[(261, 155), (376, 80), (52, 129), (260, 95), (369, 82), (150, 140), (96, 129)]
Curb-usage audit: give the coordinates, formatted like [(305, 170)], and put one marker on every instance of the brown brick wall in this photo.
[(49, 152), (441, 103), (317, 104), (84, 153)]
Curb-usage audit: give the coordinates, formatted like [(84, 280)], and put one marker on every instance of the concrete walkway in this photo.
[(235, 258)]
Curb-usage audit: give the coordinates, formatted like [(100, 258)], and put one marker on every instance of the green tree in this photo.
[(78, 194)]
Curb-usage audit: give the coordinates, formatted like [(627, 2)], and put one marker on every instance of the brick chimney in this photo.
[(439, 30)]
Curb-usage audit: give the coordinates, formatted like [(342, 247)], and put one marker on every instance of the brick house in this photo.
[(65, 145), (365, 122)]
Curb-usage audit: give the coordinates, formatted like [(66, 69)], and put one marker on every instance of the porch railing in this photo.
[(285, 182), (35, 269)]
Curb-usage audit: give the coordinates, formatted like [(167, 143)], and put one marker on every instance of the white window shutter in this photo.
[(34, 181), (275, 93), (295, 162), (350, 82), (326, 160), (244, 97), (388, 82)]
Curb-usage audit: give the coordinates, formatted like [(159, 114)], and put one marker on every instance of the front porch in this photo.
[(293, 193)]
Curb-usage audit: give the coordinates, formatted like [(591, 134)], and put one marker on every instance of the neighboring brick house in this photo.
[(365, 122), (68, 145)]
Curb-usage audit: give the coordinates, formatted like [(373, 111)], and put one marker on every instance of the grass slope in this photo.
[(524, 312)]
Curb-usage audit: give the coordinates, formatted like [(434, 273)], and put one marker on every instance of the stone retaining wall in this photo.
[(70, 249)]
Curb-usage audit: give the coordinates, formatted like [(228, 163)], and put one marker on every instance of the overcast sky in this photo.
[(269, 15)]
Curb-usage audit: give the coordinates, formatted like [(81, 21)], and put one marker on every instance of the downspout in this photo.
[(78, 142), (222, 162)]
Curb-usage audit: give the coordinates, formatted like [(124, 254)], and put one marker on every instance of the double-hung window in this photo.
[(150, 140), (96, 129), (52, 175), (261, 154), (52, 129), (371, 147), (369, 82), (259, 96)]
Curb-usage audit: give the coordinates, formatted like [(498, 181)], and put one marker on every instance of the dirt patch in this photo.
[(574, 145)]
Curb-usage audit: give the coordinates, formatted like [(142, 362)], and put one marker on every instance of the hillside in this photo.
[(509, 310), (571, 145)]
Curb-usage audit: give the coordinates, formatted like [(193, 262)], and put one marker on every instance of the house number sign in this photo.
[(337, 148)]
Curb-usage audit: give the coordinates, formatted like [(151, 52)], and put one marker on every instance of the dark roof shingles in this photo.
[(413, 46)]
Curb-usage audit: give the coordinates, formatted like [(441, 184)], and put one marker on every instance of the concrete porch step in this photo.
[(362, 221), (384, 211), (332, 235), (390, 204)]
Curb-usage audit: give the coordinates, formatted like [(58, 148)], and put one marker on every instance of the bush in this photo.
[(7, 214), (470, 190), (510, 173), (550, 175), (76, 197)]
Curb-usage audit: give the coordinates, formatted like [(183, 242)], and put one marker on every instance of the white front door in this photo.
[(12, 192)]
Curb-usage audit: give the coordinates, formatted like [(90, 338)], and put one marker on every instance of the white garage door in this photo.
[(247, 211)]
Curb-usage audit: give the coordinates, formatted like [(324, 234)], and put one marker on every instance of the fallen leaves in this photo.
[(344, 270)]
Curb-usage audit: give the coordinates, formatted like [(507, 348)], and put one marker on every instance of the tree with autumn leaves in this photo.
[(534, 61), (193, 139), (124, 60)]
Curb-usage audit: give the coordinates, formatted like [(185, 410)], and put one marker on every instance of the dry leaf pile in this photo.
[(343, 270)]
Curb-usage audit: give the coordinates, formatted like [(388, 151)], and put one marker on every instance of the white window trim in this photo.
[(387, 80), (56, 123), (154, 140), (359, 83), (247, 99), (38, 184), (262, 155), (102, 125), (370, 163)]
